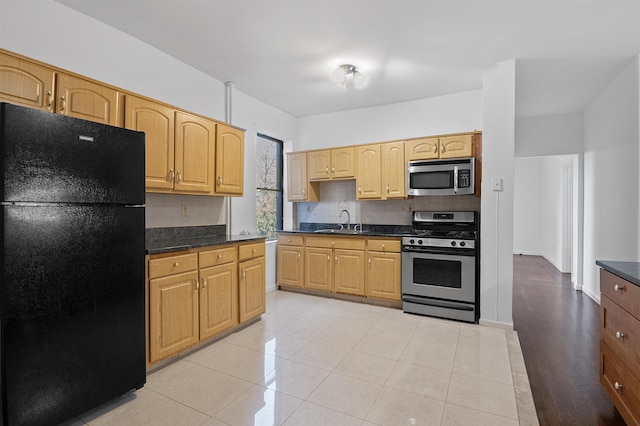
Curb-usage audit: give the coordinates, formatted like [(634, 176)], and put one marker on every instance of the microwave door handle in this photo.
[(455, 179)]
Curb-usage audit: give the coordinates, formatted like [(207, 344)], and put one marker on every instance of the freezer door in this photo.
[(72, 311), (48, 157)]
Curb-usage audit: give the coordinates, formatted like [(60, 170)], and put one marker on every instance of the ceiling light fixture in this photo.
[(345, 73)]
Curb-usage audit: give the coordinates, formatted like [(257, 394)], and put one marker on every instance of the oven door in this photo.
[(442, 276)]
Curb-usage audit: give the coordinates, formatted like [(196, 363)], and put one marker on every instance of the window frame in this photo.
[(279, 187)]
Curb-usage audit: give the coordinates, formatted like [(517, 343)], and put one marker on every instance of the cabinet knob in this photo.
[(328, 258), (171, 176), (197, 284), (359, 190), (435, 147), (383, 247), (619, 288), (298, 256), (204, 283), (336, 257), (178, 178), (176, 264), (442, 148), (387, 189), (219, 181), (304, 191), (253, 251), (619, 335), (219, 256), (326, 170), (49, 100), (63, 104), (617, 385), (333, 169), (288, 240), (369, 260)]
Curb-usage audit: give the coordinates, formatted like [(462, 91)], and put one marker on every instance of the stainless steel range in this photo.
[(440, 265)]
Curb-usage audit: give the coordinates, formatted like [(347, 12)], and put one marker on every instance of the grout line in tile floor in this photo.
[(319, 361)]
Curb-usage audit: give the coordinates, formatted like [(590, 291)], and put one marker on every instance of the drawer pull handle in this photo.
[(618, 287), (171, 176), (617, 385), (63, 104), (619, 335), (49, 100), (204, 283), (176, 264), (435, 147), (197, 284), (219, 181), (328, 258)]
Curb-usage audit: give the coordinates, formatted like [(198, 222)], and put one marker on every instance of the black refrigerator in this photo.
[(72, 314)]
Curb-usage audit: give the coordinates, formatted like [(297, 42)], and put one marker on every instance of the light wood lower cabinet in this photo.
[(251, 281), (174, 323), (290, 264), (319, 268), (197, 295), (218, 299), (384, 269)]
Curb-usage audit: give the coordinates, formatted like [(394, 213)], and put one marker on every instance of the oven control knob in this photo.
[(419, 241), (462, 244), (411, 241), (453, 243)]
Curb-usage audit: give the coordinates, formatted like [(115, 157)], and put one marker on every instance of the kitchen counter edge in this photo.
[(363, 234), (629, 271), (190, 243)]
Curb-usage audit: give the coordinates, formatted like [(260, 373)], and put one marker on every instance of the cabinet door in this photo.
[(342, 163), (290, 266), (218, 299), (298, 184), (84, 99), (394, 170), (318, 268), (349, 271), (25, 83), (173, 314), (157, 121), (194, 153), (383, 275), (456, 146), (368, 181), (319, 163), (421, 149), (252, 288), (229, 161)]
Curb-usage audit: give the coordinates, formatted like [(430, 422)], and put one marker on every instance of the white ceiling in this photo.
[(281, 51)]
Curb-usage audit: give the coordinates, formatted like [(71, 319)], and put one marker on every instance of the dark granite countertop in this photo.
[(630, 271), (163, 240), (368, 230)]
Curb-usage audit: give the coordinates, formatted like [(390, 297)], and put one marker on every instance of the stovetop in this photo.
[(452, 230)]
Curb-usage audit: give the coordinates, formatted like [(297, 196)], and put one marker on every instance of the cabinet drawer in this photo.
[(290, 239), (336, 242), (247, 251), (384, 245), (627, 294), (621, 330), (621, 385), (172, 265), (217, 257)]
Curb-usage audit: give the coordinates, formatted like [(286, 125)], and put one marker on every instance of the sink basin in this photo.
[(339, 231)]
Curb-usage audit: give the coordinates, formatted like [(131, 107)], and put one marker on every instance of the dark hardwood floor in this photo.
[(559, 331)]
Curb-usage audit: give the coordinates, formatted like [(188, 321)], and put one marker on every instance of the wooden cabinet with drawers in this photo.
[(197, 294), (620, 344), (335, 264), (383, 269), (290, 260)]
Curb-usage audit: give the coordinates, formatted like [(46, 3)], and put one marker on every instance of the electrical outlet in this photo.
[(185, 210), (496, 184)]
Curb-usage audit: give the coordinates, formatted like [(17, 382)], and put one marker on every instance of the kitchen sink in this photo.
[(339, 231)]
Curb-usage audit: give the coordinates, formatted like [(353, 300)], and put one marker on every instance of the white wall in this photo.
[(549, 135), (461, 112), (498, 127), (539, 202), (611, 180), (65, 38)]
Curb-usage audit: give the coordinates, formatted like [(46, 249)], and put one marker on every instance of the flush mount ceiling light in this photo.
[(347, 75)]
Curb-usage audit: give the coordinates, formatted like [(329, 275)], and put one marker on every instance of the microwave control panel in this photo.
[(464, 178)]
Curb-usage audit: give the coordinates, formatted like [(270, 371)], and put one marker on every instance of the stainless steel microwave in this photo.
[(455, 176)]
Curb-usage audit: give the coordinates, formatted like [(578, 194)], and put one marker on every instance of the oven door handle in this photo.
[(439, 303)]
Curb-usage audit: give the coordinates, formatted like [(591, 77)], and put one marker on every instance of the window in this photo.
[(269, 186)]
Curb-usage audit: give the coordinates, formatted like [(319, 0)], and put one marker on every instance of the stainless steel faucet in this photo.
[(348, 218)]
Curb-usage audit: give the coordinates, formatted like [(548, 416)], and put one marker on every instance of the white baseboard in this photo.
[(496, 324), (527, 253), (594, 297)]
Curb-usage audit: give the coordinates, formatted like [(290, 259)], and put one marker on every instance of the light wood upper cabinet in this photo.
[(229, 161), (84, 99), (422, 149), (342, 164), (26, 83), (394, 170), (299, 187), (329, 164), (368, 180), (157, 121), (456, 146), (442, 147), (195, 143)]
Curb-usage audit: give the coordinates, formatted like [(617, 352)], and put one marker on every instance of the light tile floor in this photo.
[(320, 361)]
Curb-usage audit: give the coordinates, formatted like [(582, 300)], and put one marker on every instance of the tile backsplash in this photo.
[(336, 196), (166, 210)]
